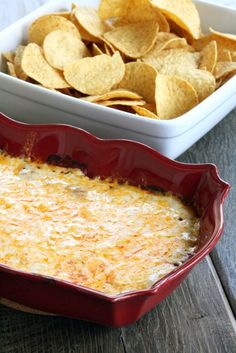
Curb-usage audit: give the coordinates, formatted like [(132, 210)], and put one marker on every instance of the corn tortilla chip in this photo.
[(165, 36), (140, 78), (35, 66), (224, 40), (66, 14), (167, 59), (209, 56), (17, 62), (143, 10), (219, 83), (83, 33), (173, 43), (227, 36), (224, 55), (96, 75), (11, 69), (134, 40), (48, 23), (131, 103), (183, 13), (109, 46), (223, 69), (233, 55), (228, 76), (89, 20), (112, 8), (9, 56), (202, 81), (174, 96), (118, 93), (107, 50), (62, 48), (119, 22), (143, 111), (96, 50)]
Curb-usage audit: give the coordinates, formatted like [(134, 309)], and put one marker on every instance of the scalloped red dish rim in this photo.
[(193, 260)]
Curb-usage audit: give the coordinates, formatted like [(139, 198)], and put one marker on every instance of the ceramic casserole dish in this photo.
[(137, 164), (170, 137)]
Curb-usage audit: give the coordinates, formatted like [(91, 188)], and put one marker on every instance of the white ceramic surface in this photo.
[(29, 103)]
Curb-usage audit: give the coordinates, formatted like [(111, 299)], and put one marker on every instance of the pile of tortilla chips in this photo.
[(148, 57)]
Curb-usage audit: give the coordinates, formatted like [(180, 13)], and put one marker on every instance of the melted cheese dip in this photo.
[(110, 237)]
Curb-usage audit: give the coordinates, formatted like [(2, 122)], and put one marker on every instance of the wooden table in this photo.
[(198, 317)]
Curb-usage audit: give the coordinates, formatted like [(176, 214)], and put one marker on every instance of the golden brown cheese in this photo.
[(114, 238)]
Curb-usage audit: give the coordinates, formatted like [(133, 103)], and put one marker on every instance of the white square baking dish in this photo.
[(26, 102)]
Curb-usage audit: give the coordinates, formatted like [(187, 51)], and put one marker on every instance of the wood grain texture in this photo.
[(186, 322), (219, 147), (191, 320)]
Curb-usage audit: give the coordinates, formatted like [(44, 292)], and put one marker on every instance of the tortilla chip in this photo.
[(17, 62), (135, 39), (182, 12), (142, 111), (209, 56), (140, 78), (165, 36), (89, 20), (35, 66), (112, 8), (144, 10), (9, 56), (108, 47), (219, 83), (96, 75), (62, 48), (173, 43), (46, 24), (11, 69), (66, 14), (223, 69), (118, 93), (167, 59), (224, 40), (131, 103), (224, 55), (96, 50), (202, 81), (174, 96), (233, 55), (83, 33)]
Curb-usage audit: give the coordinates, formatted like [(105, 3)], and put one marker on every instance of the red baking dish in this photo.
[(136, 163)]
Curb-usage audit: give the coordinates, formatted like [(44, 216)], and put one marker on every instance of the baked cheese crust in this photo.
[(107, 236)]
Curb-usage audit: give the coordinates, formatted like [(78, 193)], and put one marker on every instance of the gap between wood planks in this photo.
[(221, 292), (123, 341)]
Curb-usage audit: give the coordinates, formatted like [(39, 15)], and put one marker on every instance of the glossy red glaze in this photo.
[(137, 163)]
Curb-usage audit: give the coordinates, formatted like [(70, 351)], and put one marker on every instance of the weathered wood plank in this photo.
[(192, 320), (218, 147), (27, 333)]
